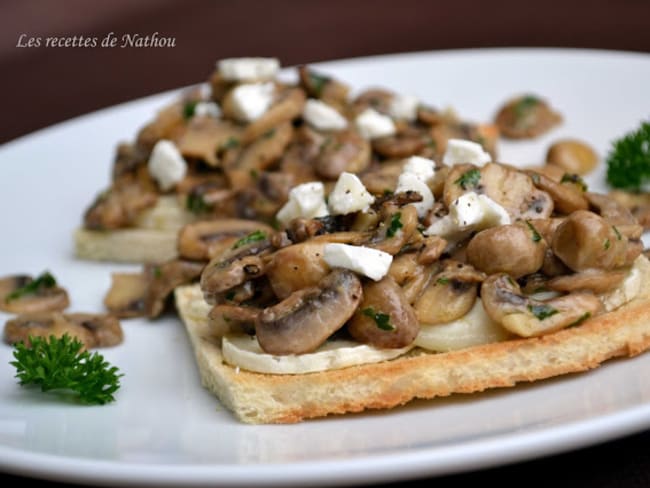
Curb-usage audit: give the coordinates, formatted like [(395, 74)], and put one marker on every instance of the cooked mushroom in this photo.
[(585, 240), (527, 317), (407, 142), (168, 123), (164, 278), (342, 151), (514, 249), (374, 98), (382, 178), (127, 295), (526, 117), (205, 137), (449, 295), (206, 239), (226, 318), (234, 267), (595, 280), (573, 156), (91, 330), (24, 294), (384, 318), (616, 214), (319, 86), (288, 106), (567, 198), (637, 203), (397, 227), (304, 320)]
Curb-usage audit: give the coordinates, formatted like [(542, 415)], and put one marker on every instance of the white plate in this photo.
[(165, 429)]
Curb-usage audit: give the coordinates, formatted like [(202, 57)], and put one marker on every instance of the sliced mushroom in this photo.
[(24, 294), (396, 229), (514, 249), (638, 205), (168, 123), (381, 179), (258, 156), (342, 151), (527, 317), (163, 278), (128, 159), (226, 318), (374, 98), (449, 295), (91, 330), (384, 318), (572, 155), (616, 214), (234, 267), (585, 240), (303, 321), (205, 137), (319, 86), (406, 142), (566, 198), (595, 280), (525, 117), (127, 295), (206, 239), (288, 106)]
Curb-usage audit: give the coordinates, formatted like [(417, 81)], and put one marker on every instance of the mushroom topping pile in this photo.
[(386, 266)]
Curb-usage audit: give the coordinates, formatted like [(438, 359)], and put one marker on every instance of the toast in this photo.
[(265, 398)]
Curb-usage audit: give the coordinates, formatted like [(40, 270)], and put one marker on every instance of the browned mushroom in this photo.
[(225, 318), (164, 278), (567, 198), (304, 320), (168, 122), (206, 239), (205, 137), (127, 295), (342, 151), (572, 155), (525, 117), (382, 178), (595, 280), (406, 142), (288, 105), (319, 86), (384, 318), (514, 249), (397, 227), (527, 317), (24, 294), (91, 330)]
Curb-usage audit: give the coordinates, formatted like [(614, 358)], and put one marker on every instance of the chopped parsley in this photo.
[(618, 234), (189, 108), (196, 204), (256, 236), (523, 106), (575, 179), (269, 133), (536, 236), (607, 244), (157, 272), (542, 311), (395, 224), (469, 179), (443, 280), (580, 319), (45, 280), (231, 143), (381, 319), (318, 82)]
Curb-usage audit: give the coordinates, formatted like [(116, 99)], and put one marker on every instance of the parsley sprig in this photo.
[(45, 280), (58, 364), (628, 162), (256, 236), (381, 319)]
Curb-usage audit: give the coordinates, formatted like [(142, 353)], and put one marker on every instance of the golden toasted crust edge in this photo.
[(261, 398)]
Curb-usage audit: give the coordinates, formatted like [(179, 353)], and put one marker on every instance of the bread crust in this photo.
[(265, 398)]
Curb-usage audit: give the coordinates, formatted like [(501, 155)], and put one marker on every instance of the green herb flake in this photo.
[(580, 319), (536, 236), (387, 192), (395, 224), (542, 311), (469, 179), (254, 174), (443, 280), (607, 244), (535, 178), (617, 232), (256, 236), (157, 272), (231, 143), (574, 179), (269, 133), (196, 204), (381, 319), (230, 295), (189, 109), (60, 365), (523, 106), (45, 280), (318, 82)]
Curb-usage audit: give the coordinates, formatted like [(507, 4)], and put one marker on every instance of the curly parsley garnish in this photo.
[(45, 280), (469, 179), (256, 236), (381, 319), (628, 162), (58, 364)]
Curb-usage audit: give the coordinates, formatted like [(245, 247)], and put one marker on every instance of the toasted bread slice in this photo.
[(151, 239), (267, 398)]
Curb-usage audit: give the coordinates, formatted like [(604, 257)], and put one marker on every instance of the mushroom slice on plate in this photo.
[(127, 295), (525, 117), (24, 294)]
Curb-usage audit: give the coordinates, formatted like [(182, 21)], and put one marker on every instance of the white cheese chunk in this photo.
[(371, 124), (306, 200), (478, 212), (244, 351), (411, 182), (209, 109), (349, 195), (404, 107), (363, 260), (323, 116), (251, 101), (472, 329), (462, 151), (166, 165), (423, 168), (248, 69)]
